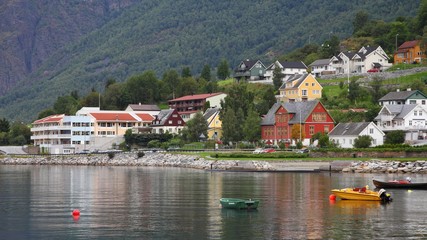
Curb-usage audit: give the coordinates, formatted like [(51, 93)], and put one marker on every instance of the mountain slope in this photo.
[(160, 35)]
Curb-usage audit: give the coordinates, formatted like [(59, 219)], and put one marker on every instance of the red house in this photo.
[(277, 125)]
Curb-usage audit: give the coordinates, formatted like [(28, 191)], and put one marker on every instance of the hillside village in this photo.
[(296, 117)]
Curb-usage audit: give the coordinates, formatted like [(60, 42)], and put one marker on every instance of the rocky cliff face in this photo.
[(31, 31)]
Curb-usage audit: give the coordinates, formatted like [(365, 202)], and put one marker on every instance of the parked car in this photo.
[(303, 150), (373, 70), (269, 150), (258, 151)]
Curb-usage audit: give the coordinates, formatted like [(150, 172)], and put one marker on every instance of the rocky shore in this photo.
[(377, 166), (195, 162)]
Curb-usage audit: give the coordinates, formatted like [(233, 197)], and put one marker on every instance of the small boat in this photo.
[(399, 184), (363, 194), (236, 203)]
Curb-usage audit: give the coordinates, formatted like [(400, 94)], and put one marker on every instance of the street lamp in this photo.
[(396, 40)]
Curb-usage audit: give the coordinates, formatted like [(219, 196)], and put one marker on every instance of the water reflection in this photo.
[(171, 203)]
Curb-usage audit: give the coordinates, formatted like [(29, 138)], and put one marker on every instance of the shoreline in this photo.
[(196, 162)]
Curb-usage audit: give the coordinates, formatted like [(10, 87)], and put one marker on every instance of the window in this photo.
[(410, 123), (415, 113), (311, 130), (371, 131), (306, 84), (304, 92), (412, 102), (350, 141), (423, 102), (326, 129), (319, 117), (170, 121)]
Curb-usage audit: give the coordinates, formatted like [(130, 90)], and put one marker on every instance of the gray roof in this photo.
[(248, 64), (401, 95), (349, 129), (144, 107), (297, 77), (301, 110), (320, 62), (210, 112), (163, 116), (399, 111), (293, 64)]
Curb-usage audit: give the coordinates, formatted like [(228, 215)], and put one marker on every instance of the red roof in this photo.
[(195, 97), (145, 117), (409, 44), (50, 119), (111, 117)]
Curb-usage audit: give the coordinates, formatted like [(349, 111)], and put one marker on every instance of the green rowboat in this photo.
[(236, 203)]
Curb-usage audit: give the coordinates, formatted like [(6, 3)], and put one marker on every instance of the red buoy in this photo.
[(332, 197), (76, 212)]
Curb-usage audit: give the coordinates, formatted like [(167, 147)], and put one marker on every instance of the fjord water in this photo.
[(36, 202)]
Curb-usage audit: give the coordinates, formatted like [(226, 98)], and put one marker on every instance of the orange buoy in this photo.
[(332, 197), (76, 212)]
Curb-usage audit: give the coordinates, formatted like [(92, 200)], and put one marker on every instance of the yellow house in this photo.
[(211, 115), (300, 87), (409, 52)]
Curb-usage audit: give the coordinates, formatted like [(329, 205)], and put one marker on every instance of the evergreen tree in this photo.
[(422, 16), (252, 127), (223, 70), (360, 20), (277, 76), (66, 105), (229, 125), (4, 125), (376, 89), (206, 73), (186, 72), (196, 127)]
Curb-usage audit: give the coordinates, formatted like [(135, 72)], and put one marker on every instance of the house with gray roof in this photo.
[(322, 67), (365, 59), (404, 97), (151, 109), (344, 134), (250, 70), (410, 118), (277, 125), (167, 121), (289, 69)]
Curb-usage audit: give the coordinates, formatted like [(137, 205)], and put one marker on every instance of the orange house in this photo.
[(409, 52)]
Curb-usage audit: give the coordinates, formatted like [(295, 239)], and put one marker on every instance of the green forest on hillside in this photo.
[(160, 36)]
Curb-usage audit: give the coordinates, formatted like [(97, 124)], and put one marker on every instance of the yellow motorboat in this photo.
[(362, 194)]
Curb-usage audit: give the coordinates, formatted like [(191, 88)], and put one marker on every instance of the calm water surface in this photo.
[(36, 202)]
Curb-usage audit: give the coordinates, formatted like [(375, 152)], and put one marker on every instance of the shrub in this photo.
[(364, 141), (111, 155), (140, 154)]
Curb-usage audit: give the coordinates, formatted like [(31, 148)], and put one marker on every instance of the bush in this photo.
[(364, 141), (140, 154), (111, 155)]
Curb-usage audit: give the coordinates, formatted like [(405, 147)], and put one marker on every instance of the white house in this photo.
[(365, 59), (322, 67), (288, 69), (403, 97), (344, 134), (60, 134), (410, 118)]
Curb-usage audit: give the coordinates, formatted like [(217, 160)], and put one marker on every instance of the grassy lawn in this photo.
[(263, 157)]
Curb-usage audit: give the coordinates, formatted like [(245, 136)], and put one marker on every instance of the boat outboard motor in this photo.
[(385, 197)]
